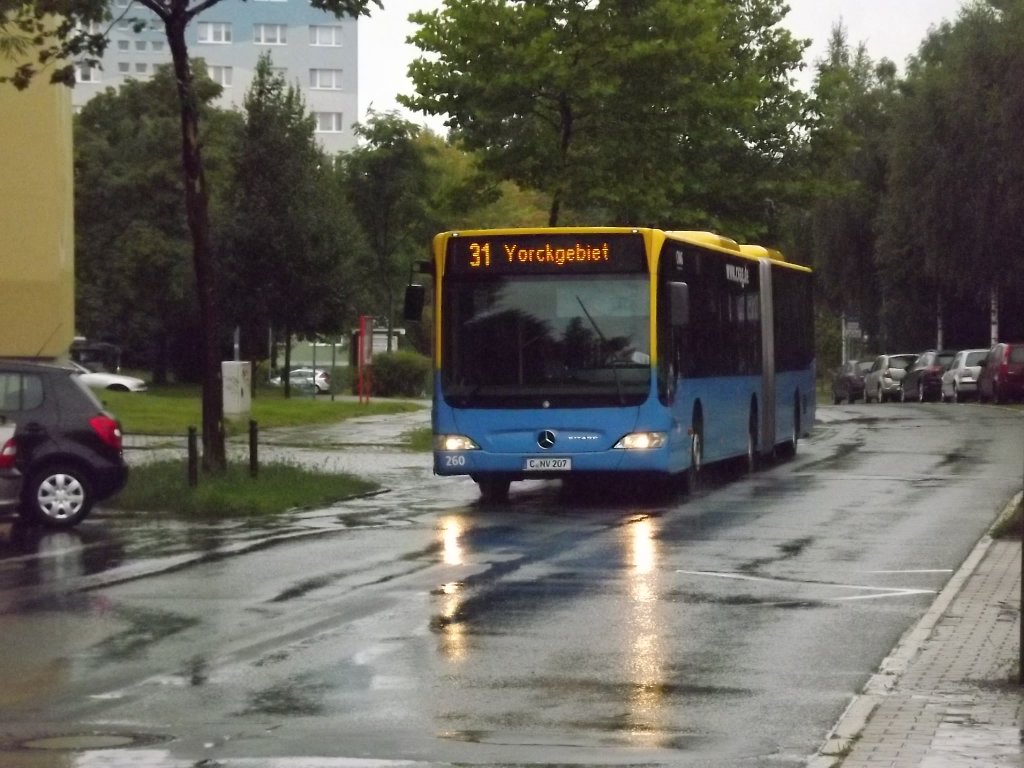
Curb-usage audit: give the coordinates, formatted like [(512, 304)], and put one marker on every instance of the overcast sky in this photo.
[(889, 28)]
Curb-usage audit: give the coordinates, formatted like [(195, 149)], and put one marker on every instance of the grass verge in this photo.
[(162, 486), (1010, 525), (173, 409), (421, 439)]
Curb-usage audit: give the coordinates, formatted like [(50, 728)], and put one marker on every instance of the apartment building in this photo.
[(311, 48)]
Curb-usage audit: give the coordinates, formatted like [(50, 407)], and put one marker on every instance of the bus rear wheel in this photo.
[(752, 456), (787, 450)]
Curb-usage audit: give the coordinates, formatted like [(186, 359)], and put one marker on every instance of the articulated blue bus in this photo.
[(574, 353)]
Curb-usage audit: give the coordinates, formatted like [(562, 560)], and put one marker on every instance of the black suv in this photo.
[(68, 447)]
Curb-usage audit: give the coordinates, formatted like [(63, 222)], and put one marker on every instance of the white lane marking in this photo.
[(878, 591)]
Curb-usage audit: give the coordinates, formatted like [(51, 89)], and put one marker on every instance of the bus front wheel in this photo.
[(696, 457), (493, 489)]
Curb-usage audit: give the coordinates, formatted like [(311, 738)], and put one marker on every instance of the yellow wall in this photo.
[(37, 235)]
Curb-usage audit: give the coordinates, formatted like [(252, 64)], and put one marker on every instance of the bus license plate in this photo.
[(547, 464)]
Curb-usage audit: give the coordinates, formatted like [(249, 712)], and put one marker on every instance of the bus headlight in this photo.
[(642, 441), (454, 443)]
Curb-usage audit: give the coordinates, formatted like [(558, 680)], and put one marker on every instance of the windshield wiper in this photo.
[(604, 342)]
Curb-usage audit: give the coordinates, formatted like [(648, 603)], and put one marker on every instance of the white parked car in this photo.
[(960, 380), (112, 381)]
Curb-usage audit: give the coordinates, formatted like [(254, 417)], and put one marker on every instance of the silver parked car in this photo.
[(960, 379), (306, 380), (882, 382)]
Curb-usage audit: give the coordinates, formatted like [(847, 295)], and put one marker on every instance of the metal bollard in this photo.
[(193, 459), (254, 462)]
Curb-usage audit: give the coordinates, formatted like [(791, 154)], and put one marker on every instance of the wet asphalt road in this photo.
[(415, 627)]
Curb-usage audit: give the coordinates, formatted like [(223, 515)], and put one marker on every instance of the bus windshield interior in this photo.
[(546, 341)]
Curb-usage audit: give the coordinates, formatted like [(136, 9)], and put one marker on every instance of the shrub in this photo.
[(399, 374)]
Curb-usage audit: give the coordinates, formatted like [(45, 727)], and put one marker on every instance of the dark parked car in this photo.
[(1001, 377), (923, 379), (848, 381), (68, 447)]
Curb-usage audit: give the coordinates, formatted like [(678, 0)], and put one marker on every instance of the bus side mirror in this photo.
[(679, 304), (414, 298)]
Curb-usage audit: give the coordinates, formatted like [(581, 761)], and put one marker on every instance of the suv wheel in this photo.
[(57, 497)]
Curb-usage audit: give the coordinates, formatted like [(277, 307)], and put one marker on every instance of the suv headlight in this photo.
[(642, 441)]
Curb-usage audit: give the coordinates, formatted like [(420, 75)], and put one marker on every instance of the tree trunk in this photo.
[(197, 209), (993, 315), (160, 365), (286, 378)]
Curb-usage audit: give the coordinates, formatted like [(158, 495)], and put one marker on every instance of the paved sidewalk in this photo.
[(949, 695)]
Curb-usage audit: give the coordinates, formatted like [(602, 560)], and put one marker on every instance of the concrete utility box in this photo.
[(237, 378)]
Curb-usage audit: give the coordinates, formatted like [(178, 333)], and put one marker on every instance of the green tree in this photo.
[(286, 240), (74, 37), (462, 195), (387, 182), (851, 110), (649, 111), (954, 223), (124, 163)]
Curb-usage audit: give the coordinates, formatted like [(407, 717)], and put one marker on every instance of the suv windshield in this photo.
[(525, 341)]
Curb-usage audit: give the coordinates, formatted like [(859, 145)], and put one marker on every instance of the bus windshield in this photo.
[(543, 341)]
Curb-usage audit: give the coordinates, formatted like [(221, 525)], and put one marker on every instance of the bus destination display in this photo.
[(546, 254)]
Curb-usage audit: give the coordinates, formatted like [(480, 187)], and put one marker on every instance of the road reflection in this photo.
[(646, 661), (453, 633)]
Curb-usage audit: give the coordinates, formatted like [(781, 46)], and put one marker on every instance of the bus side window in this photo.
[(679, 297)]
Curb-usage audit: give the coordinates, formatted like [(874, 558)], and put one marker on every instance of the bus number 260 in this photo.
[(455, 461)]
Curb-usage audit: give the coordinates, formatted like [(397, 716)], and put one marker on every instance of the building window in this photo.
[(123, 67), (221, 75), (123, 45), (328, 122), (156, 45), (325, 79), (141, 67), (269, 34), (140, 45), (86, 74), (214, 32), (325, 35)]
